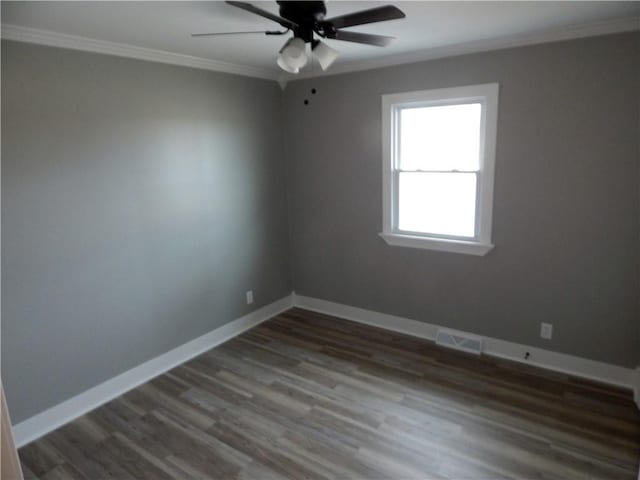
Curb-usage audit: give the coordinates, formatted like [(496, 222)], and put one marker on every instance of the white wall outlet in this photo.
[(249, 297), (546, 331)]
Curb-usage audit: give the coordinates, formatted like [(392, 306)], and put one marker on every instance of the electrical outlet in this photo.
[(546, 331), (249, 297)]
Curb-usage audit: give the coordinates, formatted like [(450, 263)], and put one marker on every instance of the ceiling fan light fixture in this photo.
[(292, 56), (324, 53), (285, 66)]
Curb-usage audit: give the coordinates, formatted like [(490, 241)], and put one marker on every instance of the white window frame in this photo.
[(392, 104)]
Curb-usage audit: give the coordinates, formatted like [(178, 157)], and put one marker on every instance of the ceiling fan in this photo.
[(307, 19)]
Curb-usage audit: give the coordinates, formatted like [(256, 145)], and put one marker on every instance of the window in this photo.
[(438, 163)]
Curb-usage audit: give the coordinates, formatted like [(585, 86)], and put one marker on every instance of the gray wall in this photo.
[(139, 202), (566, 199)]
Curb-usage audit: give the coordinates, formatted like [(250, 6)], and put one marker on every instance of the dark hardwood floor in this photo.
[(307, 396)]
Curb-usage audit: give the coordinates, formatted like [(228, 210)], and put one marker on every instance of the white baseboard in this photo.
[(56, 416), (560, 362)]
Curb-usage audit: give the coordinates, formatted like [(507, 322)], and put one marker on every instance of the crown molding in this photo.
[(594, 29), (74, 42)]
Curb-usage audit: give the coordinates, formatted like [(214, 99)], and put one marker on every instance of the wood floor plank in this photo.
[(310, 396)]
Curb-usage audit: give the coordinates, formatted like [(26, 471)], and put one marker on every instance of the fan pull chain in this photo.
[(313, 89)]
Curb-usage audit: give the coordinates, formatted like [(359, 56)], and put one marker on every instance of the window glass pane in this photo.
[(440, 203), (440, 138)]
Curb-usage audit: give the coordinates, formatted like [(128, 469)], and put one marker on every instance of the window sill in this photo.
[(439, 244)]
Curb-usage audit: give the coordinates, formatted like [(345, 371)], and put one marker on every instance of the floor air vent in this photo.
[(459, 341)]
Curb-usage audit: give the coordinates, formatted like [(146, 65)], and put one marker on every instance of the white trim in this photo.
[(46, 37), (594, 29), (559, 362), (441, 245), (42, 423), (487, 95), (74, 42)]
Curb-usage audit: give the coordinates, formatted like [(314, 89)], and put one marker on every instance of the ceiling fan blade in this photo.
[(367, 38), (378, 14), (263, 13), (214, 34)]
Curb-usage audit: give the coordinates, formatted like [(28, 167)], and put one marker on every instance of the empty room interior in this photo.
[(320, 240)]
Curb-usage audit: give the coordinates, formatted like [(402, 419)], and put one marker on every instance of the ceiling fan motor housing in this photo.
[(306, 14)]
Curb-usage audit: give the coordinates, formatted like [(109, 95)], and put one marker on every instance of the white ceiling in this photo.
[(429, 26)]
